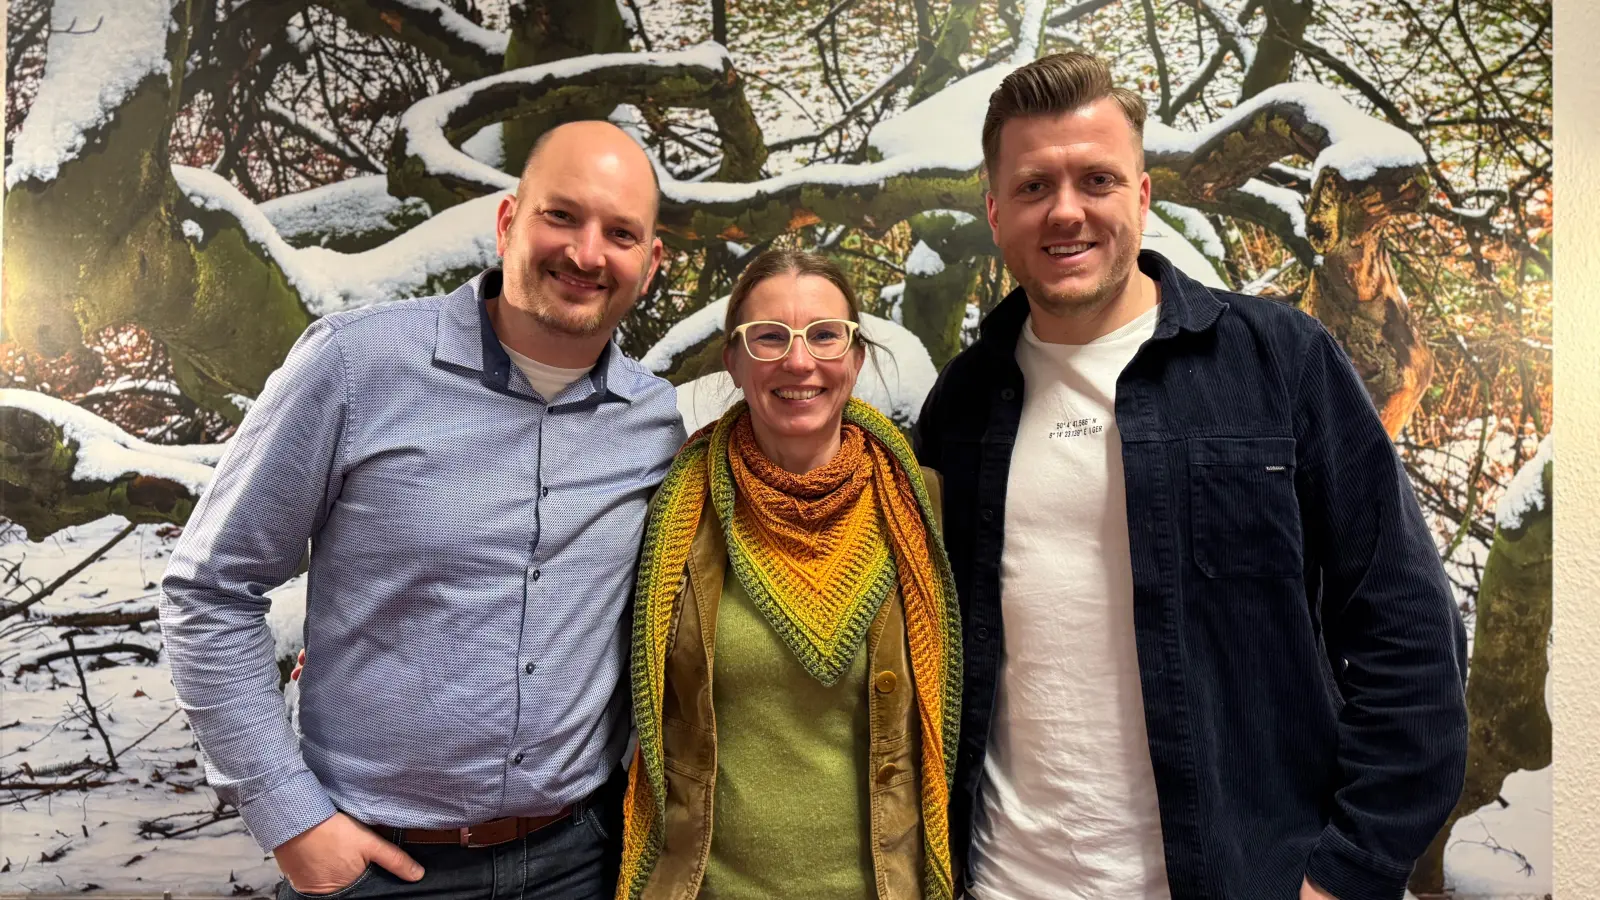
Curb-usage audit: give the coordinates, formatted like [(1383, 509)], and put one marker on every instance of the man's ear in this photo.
[(656, 252), (502, 223), (993, 216)]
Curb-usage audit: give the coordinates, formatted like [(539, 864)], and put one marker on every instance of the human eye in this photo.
[(767, 333), (560, 215)]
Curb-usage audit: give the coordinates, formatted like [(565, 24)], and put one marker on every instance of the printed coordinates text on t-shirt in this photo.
[(1077, 428)]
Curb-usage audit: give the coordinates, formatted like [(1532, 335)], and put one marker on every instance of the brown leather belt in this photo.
[(489, 834)]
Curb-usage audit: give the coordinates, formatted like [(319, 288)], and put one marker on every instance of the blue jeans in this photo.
[(574, 859)]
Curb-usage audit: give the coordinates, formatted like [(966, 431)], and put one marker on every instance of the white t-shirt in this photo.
[(547, 380), (1068, 806)]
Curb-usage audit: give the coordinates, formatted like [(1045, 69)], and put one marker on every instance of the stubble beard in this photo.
[(1077, 304), (555, 314)]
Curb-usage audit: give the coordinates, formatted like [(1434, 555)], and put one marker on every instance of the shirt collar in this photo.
[(467, 340), (1186, 305)]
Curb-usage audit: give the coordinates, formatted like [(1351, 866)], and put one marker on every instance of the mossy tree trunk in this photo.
[(935, 303), (1509, 723), (543, 32), (102, 244)]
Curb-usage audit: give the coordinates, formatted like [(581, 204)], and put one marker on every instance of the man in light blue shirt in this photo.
[(472, 473)]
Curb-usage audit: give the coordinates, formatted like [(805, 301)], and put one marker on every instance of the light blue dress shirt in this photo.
[(472, 557)]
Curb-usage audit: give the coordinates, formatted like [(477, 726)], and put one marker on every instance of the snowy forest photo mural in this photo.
[(189, 183)]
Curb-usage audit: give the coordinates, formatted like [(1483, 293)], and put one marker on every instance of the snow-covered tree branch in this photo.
[(227, 284)]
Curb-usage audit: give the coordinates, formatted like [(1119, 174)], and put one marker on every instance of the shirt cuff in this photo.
[(297, 805), (1347, 872)]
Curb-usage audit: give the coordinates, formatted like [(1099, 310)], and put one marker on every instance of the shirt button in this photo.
[(516, 760), (529, 668), (885, 682), (535, 574), (544, 491)]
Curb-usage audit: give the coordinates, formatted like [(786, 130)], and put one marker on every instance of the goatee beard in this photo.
[(574, 326)]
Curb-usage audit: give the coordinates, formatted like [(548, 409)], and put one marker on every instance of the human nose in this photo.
[(587, 250), (1066, 210), (799, 358)]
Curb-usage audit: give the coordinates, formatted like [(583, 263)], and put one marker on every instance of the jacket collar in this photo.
[(1186, 305)]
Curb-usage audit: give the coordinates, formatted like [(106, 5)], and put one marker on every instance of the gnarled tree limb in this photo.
[(433, 28)]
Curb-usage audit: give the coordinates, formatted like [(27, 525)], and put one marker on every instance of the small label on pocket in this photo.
[(1277, 468)]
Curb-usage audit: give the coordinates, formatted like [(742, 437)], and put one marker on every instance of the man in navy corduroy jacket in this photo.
[(1210, 648)]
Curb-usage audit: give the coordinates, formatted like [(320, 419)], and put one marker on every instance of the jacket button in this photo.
[(1008, 394), (885, 682), (987, 515), (983, 634), (886, 772)]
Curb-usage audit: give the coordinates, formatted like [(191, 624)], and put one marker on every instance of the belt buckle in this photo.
[(467, 840)]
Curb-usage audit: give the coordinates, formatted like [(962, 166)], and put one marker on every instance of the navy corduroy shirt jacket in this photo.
[(1301, 658)]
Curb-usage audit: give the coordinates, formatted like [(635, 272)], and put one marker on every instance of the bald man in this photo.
[(471, 472)]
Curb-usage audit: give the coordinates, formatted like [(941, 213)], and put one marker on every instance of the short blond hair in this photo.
[(1054, 84)]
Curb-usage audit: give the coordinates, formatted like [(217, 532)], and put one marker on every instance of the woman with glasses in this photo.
[(796, 645)]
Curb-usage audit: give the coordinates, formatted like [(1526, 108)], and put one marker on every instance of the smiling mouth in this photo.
[(797, 393), (575, 282), (1069, 251)]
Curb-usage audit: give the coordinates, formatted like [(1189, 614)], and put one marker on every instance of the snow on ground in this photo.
[(99, 51), (97, 832), (159, 777)]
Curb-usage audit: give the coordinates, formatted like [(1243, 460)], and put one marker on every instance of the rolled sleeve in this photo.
[(247, 536)]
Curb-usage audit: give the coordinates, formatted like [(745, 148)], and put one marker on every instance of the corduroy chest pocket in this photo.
[(1243, 510)]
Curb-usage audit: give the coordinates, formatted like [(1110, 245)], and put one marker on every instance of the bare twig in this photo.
[(1067, 16), (719, 21), (143, 652), (1165, 109), (105, 619), (638, 20), (152, 827), (47, 786), (49, 589), (153, 730), (72, 27), (94, 714)]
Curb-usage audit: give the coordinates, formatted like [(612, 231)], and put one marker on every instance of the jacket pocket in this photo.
[(1243, 509)]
